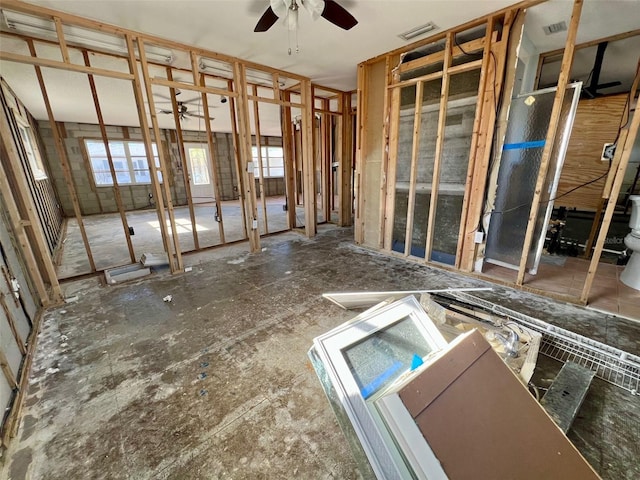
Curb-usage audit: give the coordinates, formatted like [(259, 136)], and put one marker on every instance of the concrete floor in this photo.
[(217, 384)]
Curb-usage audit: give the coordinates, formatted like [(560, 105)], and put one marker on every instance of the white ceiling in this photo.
[(328, 55)]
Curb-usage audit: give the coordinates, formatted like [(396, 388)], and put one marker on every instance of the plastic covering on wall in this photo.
[(518, 173)]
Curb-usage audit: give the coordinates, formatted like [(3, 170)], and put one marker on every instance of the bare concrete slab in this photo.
[(217, 384)]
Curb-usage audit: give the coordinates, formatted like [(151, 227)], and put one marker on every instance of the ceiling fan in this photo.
[(183, 110), (288, 11)]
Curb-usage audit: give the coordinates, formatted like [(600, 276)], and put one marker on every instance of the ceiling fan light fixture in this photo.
[(418, 31)]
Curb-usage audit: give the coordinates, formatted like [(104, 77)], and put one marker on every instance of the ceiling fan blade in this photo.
[(268, 19), (337, 15), (166, 112), (198, 116)]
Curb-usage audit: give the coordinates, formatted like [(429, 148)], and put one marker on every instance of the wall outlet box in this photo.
[(479, 237), (255, 224), (608, 151)]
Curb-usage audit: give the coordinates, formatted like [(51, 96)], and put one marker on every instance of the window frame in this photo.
[(266, 161), (133, 169), (28, 140)]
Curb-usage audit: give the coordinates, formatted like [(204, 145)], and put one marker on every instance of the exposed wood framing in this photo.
[(563, 80), (495, 64), (592, 43), (390, 162), (623, 151), (64, 162), (413, 175), (185, 161), (457, 51), (146, 137), (310, 203), (345, 169), (244, 144), (460, 28), (236, 156), (288, 139), (176, 263), (61, 40), (112, 170), (325, 159), (258, 137), (386, 152), (361, 141), (18, 225), (8, 373), (13, 420), (69, 19), (200, 80), (72, 67), (437, 161), (482, 86), (12, 325)]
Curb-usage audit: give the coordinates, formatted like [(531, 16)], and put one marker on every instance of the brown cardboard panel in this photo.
[(484, 424)]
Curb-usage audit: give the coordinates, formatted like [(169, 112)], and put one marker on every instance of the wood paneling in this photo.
[(596, 123)]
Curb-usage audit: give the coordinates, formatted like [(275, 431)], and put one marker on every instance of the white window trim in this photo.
[(129, 160), (266, 165)]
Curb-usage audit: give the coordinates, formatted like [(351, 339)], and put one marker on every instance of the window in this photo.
[(272, 161), (129, 162), (30, 148)]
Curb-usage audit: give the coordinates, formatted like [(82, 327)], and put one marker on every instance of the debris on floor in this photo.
[(168, 298), (154, 259), (125, 273), (400, 377)]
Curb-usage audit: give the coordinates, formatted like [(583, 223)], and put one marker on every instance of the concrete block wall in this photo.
[(96, 199)]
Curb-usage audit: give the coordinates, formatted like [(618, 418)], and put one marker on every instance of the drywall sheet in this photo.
[(518, 173), (482, 423)]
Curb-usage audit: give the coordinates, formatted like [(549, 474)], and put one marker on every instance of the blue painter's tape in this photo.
[(377, 382), (522, 145)]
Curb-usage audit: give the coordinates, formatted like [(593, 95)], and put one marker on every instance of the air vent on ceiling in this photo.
[(555, 28), (417, 31)]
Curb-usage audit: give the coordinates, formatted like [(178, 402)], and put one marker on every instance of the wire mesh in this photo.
[(610, 364)]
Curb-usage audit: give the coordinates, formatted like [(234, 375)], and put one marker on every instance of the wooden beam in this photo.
[(460, 28), (472, 46), (310, 204), (591, 43), (495, 67), (12, 325), (240, 83), (361, 140), (69, 19), (437, 161), (563, 80), (475, 136), (185, 161), (61, 40), (192, 88), (256, 98), (385, 167), (9, 375), (15, 217), (258, 136), (64, 162), (463, 67), (178, 265), (112, 170), (289, 161), (325, 165), (72, 67), (413, 175), (200, 80), (236, 156), (148, 144), (345, 169), (389, 180), (623, 151)]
